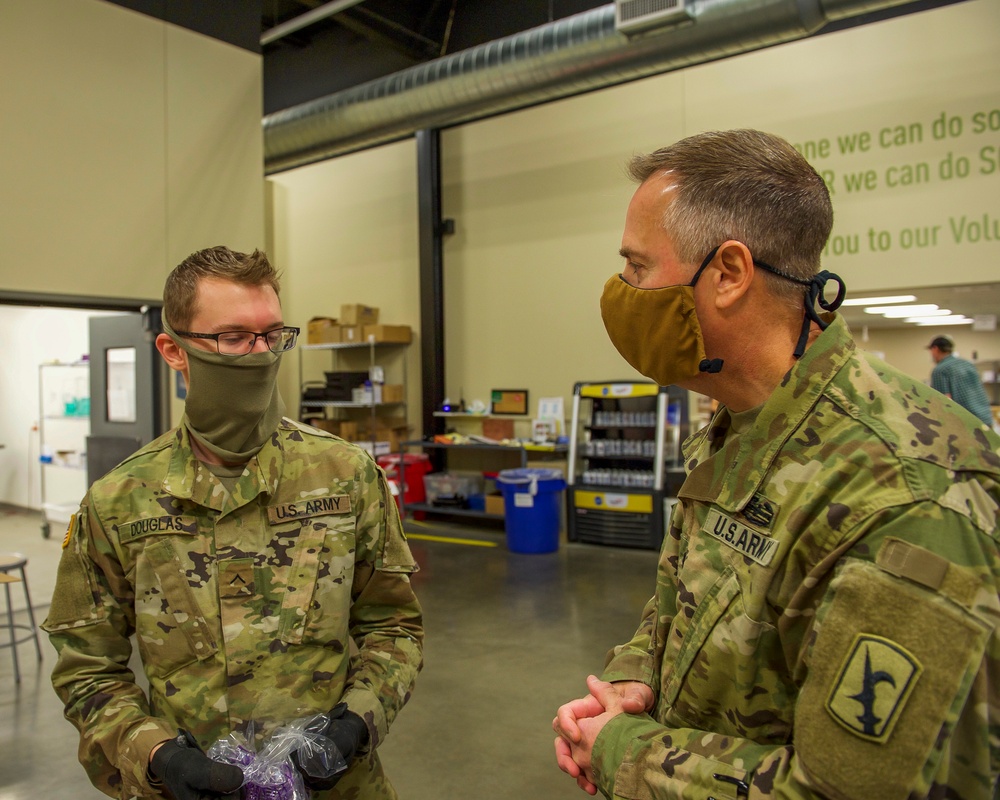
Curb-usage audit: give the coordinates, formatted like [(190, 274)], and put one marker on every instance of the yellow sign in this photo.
[(614, 390), (615, 501)]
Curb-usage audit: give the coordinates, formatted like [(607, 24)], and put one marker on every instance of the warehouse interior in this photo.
[(477, 204)]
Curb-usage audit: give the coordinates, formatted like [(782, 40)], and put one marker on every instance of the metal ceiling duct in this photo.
[(567, 57)]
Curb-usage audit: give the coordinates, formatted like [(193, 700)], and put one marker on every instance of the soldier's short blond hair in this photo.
[(746, 185), (180, 292)]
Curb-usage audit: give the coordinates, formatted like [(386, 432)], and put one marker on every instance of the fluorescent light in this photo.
[(933, 311), (910, 310), (954, 319), (877, 301)]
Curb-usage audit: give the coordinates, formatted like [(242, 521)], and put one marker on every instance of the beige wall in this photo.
[(125, 144), (539, 196), (345, 231), (906, 348)]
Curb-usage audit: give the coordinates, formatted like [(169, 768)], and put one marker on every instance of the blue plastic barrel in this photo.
[(532, 498)]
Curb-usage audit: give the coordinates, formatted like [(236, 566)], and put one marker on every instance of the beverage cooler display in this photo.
[(624, 461)]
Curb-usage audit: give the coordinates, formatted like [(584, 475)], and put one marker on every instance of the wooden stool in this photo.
[(8, 563)]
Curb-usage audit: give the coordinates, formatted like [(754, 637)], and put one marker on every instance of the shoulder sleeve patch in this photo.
[(881, 686), (872, 687)]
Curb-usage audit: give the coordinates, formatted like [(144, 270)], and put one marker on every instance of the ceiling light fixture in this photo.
[(878, 301), (899, 313), (954, 319), (907, 311)]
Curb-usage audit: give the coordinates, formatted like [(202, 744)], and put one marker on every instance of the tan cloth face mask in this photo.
[(658, 333), (233, 405), (656, 330)]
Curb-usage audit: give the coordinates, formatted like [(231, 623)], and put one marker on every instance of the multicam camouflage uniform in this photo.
[(824, 623), (268, 604)]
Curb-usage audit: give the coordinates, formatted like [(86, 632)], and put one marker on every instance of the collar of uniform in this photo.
[(187, 478), (731, 479)]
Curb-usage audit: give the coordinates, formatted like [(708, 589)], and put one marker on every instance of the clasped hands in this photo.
[(579, 722)]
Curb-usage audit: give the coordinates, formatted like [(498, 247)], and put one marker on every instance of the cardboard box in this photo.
[(494, 504), (322, 330), (328, 425), (355, 314), (350, 334), (397, 334), (392, 393), (387, 429), (345, 429)]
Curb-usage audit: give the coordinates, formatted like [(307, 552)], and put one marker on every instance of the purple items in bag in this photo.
[(279, 783), (269, 774)]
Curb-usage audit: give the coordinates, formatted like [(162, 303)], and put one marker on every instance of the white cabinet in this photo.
[(63, 427)]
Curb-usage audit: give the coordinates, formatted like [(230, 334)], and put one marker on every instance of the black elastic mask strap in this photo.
[(814, 295), (710, 365), (705, 263), (815, 287)]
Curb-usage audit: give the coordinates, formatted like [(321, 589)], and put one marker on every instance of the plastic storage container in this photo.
[(452, 489), (532, 500)]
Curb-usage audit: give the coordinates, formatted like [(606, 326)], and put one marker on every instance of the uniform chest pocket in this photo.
[(316, 601), (723, 677), (171, 629)]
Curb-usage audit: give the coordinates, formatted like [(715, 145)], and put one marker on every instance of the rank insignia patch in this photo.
[(760, 511), (872, 687)]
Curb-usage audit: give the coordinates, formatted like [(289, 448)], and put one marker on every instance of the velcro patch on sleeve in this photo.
[(881, 685)]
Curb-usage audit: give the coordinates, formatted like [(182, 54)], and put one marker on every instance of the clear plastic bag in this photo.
[(270, 773)]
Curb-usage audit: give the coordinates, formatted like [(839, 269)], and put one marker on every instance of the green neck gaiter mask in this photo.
[(233, 405)]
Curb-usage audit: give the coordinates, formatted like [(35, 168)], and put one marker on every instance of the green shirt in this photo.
[(959, 379), (270, 602), (825, 617)]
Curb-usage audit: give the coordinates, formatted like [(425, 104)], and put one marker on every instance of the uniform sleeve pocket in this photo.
[(77, 602), (890, 671), (667, 771)]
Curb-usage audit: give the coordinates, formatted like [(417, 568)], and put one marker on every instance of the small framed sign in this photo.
[(509, 401)]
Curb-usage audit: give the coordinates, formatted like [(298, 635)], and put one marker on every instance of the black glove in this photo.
[(348, 732), (188, 774)]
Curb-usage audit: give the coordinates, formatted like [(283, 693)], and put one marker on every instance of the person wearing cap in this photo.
[(825, 616), (958, 379)]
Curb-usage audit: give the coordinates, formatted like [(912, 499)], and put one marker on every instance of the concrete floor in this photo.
[(509, 637)]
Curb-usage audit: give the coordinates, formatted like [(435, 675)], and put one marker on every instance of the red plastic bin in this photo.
[(415, 466)]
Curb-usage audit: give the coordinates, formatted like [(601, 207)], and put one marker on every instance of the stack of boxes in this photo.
[(358, 324)]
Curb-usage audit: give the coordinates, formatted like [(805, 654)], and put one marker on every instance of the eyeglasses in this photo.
[(239, 343)]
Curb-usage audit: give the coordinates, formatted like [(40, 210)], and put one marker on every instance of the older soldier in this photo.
[(825, 617), (259, 562)]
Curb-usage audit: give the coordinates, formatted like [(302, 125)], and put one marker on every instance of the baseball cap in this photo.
[(942, 343)]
